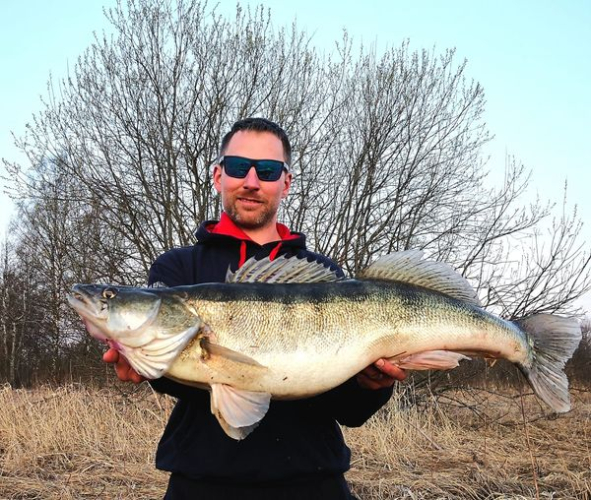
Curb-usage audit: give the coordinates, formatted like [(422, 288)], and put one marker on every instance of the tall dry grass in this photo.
[(474, 444), (73, 442)]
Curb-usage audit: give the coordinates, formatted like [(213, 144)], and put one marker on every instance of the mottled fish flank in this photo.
[(289, 328)]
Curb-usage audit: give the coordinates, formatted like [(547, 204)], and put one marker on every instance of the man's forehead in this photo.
[(249, 142), (254, 135)]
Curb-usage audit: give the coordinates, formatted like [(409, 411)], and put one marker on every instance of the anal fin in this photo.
[(430, 360)]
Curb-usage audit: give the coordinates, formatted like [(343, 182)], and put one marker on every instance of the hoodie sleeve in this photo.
[(180, 391), (173, 268), (352, 405)]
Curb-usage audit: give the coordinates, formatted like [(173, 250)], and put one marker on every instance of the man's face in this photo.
[(250, 202)]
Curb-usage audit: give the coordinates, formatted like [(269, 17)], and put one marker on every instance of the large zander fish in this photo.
[(288, 329)]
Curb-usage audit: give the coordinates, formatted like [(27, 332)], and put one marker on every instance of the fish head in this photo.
[(150, 327), (115, 313)]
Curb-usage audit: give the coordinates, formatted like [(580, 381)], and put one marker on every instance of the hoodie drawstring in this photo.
[(242, 254), (242, 259), (275, 251)]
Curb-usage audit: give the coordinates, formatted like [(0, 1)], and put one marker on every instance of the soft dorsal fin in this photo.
[(281, 270), (409, 267)]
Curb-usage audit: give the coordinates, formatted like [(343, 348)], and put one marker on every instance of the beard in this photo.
[(255, 219)]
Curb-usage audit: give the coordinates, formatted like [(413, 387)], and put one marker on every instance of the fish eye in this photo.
[(109, 293)]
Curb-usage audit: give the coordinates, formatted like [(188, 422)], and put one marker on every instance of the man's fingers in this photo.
[(134, 376), (111, 356), (379, 375), (373, 373), (125, 372), (390, 369), (123, 369)]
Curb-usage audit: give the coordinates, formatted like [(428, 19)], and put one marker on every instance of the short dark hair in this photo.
[(259, 125)]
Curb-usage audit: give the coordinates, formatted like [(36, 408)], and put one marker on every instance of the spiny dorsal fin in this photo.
[(281, 270), (409, 267)]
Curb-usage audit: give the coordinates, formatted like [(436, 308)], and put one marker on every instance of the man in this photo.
[(298, 450)]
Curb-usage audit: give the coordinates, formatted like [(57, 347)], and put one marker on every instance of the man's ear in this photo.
[(217, 178), (286, 186)]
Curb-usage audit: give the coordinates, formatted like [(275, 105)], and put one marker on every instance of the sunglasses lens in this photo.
[(238, 167), (269, 170)]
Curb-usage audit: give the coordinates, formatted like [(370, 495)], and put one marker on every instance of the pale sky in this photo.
[(531, 57)]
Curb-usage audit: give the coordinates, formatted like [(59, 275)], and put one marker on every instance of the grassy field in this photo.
[(72, 442)]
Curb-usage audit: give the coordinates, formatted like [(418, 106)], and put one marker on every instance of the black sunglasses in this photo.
[(238, 167)]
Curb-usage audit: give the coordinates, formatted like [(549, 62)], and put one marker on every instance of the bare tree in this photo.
[(543, 270), (21, 321), (11, 342), (139, 123), (56, 241)]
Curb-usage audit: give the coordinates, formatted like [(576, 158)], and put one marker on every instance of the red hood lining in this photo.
[(227, 227)]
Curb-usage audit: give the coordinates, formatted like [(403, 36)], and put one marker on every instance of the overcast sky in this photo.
[(531, 57)]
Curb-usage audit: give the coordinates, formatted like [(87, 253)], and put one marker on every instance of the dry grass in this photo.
[(73, 442), (474, 444)]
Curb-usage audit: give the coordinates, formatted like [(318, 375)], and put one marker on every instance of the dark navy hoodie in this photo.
[(297, 440)]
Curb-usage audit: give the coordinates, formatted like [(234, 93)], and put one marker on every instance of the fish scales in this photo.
[(299, 327)]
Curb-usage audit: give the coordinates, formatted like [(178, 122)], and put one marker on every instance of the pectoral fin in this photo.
[(431, 360), (238, 411), (214, 351), (231, 365)]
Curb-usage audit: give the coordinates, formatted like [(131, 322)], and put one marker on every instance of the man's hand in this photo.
[(122, 368), (379, 375)]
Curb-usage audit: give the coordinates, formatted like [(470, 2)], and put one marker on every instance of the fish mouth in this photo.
[(93, 312), (85, 303), (122, 314)]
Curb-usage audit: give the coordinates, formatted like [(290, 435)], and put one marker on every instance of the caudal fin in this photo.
[(555, 339)]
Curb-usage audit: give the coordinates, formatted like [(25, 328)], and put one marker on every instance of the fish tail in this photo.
[(553, 340)]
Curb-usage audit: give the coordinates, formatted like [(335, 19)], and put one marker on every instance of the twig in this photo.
[(531, 455), (155, 394), (435, 445)]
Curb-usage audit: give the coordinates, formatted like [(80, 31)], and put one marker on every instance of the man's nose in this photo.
[(251, 181)]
